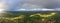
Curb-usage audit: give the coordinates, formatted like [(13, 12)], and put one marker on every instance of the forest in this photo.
[(30, 17)]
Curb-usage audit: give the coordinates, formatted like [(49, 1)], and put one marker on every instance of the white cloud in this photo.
[(31, 6), (27, 4)]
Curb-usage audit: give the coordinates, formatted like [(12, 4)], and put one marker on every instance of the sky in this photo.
[(29, 4)]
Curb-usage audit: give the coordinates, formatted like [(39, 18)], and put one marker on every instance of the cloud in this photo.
[(28, 4), (31, 6)]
